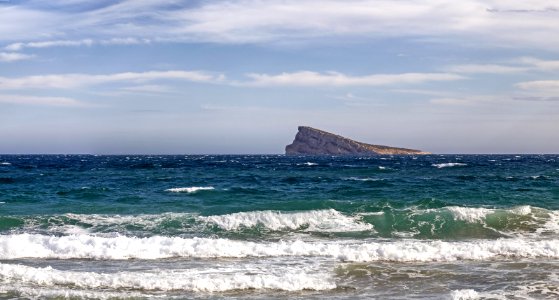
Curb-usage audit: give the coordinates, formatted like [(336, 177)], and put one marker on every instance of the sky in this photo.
[(238, 77)]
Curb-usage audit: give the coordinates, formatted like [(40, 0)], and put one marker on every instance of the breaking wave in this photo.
[(123, 248), (316, 220), (452, 222), (186, 280)]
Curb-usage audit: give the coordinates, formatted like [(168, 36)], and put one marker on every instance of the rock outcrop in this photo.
[(311, 141)]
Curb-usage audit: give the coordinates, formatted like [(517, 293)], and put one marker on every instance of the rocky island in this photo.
[(311, 141)]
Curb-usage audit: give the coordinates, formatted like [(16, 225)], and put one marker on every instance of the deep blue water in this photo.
[(279, 226)]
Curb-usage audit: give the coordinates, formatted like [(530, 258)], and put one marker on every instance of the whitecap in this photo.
[(469, 214), (5, 164), (315, 220), (466, 294), (176, 280), (19, 246), (192, 189), (447, 165), (36, 292)]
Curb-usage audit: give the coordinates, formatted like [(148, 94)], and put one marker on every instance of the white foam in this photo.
[(447, 165), (551, 224), (191, 189), (522, 210), (315, 220), (90, 247), (35, 292), (478, 214), (88, 223), (469, 214), (466, 294), (176, 280), (5, 164)]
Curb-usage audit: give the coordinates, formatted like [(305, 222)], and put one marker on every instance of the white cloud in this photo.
[(10, 57), (545, 86), (48, 44), (486, 69), (309, 78), (36, 100), (68, 81), (148, 88), (76, 43), (540, 64), (517, 65), (532, 24)]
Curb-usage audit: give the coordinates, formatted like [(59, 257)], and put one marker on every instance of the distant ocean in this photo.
[(274, 226)]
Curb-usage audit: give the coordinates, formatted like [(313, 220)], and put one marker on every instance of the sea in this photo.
[(279, 227)]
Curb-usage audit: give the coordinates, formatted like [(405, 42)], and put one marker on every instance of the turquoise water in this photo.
[(267, 226)]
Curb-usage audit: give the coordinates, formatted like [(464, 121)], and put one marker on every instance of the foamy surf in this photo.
[(36, 292), (466, 294), (175, 280), (192, 189), (520, 221), (328, 220), (316, 220), (123, 248)]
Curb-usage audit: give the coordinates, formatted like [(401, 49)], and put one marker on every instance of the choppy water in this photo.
[(386, 227)]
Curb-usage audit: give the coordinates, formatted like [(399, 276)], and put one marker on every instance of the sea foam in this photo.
[(176, 280), (315, 220), (467, 294), (90, 247)]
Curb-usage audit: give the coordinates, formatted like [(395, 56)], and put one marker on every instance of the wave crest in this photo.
[(122, 248), (188, 280), (315, 220)]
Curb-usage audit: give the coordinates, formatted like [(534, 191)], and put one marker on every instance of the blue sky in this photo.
[(146, 76)]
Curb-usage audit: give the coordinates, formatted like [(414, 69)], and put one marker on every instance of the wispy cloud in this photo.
[(453, 101), (486, 69), (68, 81), (11, 57), (76, 43), (43, 101), (540, 64), (309, 78), (542, 86), (47, 44), (149, 88), (512, 66), (501, 101), (506, 23)]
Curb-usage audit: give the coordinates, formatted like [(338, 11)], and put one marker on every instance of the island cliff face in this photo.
[(311, 141)]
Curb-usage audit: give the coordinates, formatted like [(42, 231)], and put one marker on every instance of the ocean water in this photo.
[(260, 227)]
